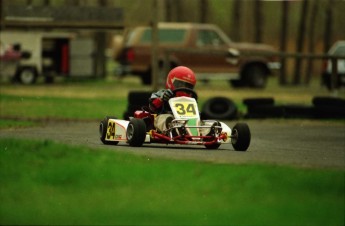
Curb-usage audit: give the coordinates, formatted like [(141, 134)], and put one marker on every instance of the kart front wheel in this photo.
[(240, 137), (136, 132), (103, 130)]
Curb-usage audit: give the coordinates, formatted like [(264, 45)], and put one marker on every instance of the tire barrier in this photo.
[(265, 111), (329, 107), (298, 111), (136, 100), (220, 108), (264, 101), (321, 108), (262, 108)]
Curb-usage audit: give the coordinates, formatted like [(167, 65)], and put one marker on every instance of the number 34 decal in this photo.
[(185, 109)]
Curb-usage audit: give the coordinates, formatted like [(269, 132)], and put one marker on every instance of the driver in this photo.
[(179, 77)]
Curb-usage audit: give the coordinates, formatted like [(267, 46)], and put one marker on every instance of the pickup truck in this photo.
[(202, 47)]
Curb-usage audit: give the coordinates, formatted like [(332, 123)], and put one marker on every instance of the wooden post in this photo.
[(283, 41), (236, 20), (334, 75), (154, 49), (311, 45), (300, 42), (258, 21)]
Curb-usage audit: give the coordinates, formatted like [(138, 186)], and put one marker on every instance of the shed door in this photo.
[(81, 57)]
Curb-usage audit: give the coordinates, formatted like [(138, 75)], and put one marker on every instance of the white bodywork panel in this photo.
[(116, 130), (184, 108)]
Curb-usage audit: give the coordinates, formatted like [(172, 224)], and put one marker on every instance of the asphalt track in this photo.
[(298, 143)]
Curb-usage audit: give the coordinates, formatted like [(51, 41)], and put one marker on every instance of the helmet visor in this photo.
[(182, 84)]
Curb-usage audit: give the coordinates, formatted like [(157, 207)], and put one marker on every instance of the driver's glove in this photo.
[(167, 95)]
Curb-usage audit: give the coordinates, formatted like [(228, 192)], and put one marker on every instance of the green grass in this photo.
[(93, 99), (16, 124), (42, 182), (47, 183), (60, 107)]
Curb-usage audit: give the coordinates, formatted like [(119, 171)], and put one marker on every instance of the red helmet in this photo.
[(180, 77)]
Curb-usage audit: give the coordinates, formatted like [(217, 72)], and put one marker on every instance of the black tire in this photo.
[(255, 76), (146, 78), (240, 137), (329, 112), (136, 132), (298, 111), (140, 98), (220, 108), (328, 101), (265, 111), (136, 100), (329, 107), (27, 75), (267, 101), (103, 130)]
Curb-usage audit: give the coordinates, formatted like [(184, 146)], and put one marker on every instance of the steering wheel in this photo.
[(187, 90)]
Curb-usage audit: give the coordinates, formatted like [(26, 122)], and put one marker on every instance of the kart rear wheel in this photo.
[(240, 137), (136, 132), (103, 129)]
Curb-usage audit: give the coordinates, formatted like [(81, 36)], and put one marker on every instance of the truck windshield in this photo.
[(165, 36)]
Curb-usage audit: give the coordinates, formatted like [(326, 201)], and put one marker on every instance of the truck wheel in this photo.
[(27, 75), (136, 132), (255, 76), (103, 129), (240, 137)]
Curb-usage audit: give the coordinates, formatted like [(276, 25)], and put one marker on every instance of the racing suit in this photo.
[(162, 109)]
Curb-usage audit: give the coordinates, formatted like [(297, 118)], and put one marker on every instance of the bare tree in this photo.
[(258, 21), (311, 37), (178, 12), (328, 26), (72, 2), (203, 11), (168, 10), (29, 2), (300, 41), (100, 38), (103, 2), (46, 2), (283, 40), (236, 20)]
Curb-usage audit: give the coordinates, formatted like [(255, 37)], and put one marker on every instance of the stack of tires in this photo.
[(136, 100), (262, 108), (321, 108), (220, 108), (329, 107)]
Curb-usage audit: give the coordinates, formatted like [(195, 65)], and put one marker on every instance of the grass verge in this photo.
[(30, 107), (43, 182), (97, 98)]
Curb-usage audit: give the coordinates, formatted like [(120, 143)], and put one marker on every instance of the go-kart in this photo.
[(185, 128)]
